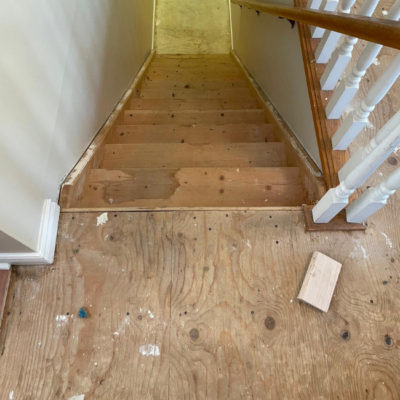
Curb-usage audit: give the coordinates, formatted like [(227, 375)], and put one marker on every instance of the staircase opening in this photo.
[(193, 135), (194, 131)]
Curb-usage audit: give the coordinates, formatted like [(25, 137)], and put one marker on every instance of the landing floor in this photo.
[(202, 305)]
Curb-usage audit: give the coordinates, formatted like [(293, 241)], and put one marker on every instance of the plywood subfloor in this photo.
[(202, 305)]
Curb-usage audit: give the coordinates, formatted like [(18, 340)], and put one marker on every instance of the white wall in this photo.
[(63, 67), (193, 27), (271, 51)]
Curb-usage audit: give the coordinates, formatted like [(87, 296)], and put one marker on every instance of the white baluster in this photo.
[(349, 86), (314, 4), (330, 39), (356, 120), (326, 5), (372, 200), (336, 199), (342, 55), (363, 152)]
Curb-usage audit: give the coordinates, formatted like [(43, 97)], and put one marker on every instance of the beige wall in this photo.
[(64, 66), (192, 26), (271, 51)]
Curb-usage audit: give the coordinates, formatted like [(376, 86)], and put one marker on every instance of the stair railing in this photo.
[(327, 23)]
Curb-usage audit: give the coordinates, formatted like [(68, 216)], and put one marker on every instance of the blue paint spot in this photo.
[(83, 313)]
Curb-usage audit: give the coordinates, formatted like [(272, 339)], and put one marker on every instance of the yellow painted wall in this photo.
[(192, 27)]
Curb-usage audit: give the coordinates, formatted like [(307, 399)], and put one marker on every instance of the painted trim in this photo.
[(46, 242), (231, 24), (4, 267)]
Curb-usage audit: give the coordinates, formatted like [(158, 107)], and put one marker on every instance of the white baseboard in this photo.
[(4, 267), (46, 242)]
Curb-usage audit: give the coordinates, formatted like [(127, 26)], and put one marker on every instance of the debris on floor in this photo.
[(83, 313), (320, 281)]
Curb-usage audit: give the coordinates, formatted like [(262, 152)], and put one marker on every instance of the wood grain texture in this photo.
[(233, 93), (172, 104), (320, 281), (211, 119), (179, 155), (4, 281), (226, 322), (191, 117), (200, 134), (192, 187)]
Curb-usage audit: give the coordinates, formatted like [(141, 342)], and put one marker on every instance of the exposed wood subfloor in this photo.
[(202, 305), (193, 135)]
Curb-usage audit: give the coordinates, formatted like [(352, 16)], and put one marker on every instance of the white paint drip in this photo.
[(384, 12), (388, 240), (77, 397), (125, 322), (150, 314), (149, 350), (61, 320), (376, 61), (11, 395), (102, 219), (357, 249), (248, 244)]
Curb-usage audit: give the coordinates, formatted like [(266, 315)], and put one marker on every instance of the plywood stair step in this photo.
[(196, 134), (192, 187), (191, 84), (179, 155), (174, 104), (232, 93), (190, 117)]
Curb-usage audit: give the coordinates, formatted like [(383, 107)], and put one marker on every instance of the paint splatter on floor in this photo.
[(83, 313), (102, 219), (149, 350)]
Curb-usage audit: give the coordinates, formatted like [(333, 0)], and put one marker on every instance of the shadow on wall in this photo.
[(193, 27), (64, 67)]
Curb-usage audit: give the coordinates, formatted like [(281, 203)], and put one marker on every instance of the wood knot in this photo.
[(345, 335), (269, 323), (392, 161), (388, 341), (194, 334)]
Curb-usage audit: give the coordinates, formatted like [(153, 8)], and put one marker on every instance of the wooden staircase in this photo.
[(193, 135)]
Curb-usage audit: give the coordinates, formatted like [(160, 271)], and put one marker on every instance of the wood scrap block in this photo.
[(320, 281)]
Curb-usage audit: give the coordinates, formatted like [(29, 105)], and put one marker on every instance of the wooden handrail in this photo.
[(375, 30)]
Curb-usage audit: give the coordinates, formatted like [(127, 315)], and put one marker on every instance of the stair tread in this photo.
[(178, 155), (190, 117), (193, 187), (193, 84), (201, 134), (217, 93), (174, 104)]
